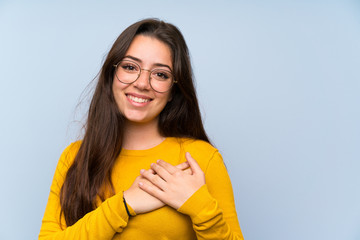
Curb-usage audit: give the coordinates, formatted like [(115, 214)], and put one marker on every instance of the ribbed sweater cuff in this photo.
[(199, 201), (115, 213)]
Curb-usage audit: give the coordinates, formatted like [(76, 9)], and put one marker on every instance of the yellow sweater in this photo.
[(208, 214)]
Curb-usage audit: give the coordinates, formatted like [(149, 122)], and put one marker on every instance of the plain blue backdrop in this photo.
[(278, 83)]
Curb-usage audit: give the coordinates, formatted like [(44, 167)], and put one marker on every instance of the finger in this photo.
[(183, 166), (151, 189), (153, 178), (142, 179), (162, 172), (167, 166), (193, 164), (188, 171)]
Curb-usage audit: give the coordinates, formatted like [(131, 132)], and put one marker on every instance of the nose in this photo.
[(142, 82)]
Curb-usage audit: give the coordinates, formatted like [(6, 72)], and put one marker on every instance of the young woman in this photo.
[(144, 115)]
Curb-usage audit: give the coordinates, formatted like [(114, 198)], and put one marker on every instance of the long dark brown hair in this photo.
[(102, 142)]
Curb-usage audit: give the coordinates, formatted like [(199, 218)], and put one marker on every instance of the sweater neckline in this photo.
[(158, 148)]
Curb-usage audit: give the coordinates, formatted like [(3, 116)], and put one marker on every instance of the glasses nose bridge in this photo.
[(143, 69), (146, 70)]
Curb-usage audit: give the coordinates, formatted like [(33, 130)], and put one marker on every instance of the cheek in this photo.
[(118, 86), (117, 91), (164, 98), (162, 104)]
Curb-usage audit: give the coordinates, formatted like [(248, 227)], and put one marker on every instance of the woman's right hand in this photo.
[(141, 201)]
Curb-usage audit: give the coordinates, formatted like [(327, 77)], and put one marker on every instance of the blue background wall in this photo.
[(278, 83)]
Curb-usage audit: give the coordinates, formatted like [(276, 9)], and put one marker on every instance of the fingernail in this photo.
[(158, 160), (152, 164), (142, 170), (141, 184)]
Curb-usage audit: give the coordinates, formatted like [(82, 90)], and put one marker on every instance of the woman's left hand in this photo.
[(172, 185)]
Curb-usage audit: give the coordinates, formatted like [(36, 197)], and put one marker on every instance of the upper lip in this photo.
[(138, 95)]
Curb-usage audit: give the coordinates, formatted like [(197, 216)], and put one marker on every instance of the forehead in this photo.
[(150, 51)]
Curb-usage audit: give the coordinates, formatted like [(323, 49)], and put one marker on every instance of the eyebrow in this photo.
[(140, 61)]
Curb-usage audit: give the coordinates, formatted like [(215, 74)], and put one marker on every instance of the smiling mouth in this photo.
[(138, 99)]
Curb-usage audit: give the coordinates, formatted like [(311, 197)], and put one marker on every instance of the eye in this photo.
[(129, 67), (161, 75)]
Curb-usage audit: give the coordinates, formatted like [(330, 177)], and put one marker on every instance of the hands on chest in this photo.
[(165, 184)]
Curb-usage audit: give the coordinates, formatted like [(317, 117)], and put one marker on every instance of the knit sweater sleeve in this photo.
[(212, 208), (102, 223)]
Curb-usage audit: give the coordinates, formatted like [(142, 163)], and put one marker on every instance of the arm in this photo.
[(102, 223), (210, 206)]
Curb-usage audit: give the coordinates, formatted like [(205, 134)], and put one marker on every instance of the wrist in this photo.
[(128, 207)]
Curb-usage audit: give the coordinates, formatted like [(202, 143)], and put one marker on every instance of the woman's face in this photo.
[(137, 101)]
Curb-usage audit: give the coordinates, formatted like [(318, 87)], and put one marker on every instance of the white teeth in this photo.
[(138, 100)]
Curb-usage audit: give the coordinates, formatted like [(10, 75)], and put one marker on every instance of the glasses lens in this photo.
[(161, 80), (127, 71)]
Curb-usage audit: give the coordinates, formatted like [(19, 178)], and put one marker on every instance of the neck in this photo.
[(140, 136)]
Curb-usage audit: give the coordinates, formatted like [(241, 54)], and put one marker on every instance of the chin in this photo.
[(140, 119)]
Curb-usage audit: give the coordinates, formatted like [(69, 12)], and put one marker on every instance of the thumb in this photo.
[(193, 164)]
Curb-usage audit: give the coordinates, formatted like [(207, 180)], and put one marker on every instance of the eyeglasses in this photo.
[(160, 80)]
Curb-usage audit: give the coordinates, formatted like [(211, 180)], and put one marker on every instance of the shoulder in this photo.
[(202, 151), (66, 159), (197, 145), (68, 155)]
